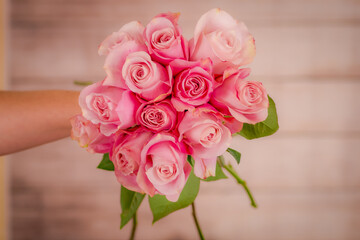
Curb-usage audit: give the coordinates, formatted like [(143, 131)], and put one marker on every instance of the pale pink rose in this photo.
[(115, 60), (205, 167), (226, 41), (149, 79), (160, 116), (131, 31), (88, 135), (232, 124), (243, 73), (164, 40), (246, 101), (111, 107), (163, 168), (203, 131), (126, 157), (193, 83)]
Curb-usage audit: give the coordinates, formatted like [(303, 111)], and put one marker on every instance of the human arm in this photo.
[(32, 118)]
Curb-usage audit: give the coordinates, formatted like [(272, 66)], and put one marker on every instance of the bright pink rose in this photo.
[(111, 107), (114, 62), (163, 168), (126, 157), (149, 79), (164, 40), (246, 101), (193, 83), (203, 131), (130, 31), (227, 42), (88, 135), (160, 116)]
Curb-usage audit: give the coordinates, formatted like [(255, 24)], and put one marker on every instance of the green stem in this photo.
[(83, 83), (197, 222), (231, 170), (132, 236)]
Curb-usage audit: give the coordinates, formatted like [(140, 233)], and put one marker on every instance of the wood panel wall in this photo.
[(305, 178)]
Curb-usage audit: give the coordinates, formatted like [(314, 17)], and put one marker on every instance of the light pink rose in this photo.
[(246, 101), (114, 62), (126, 157), (164, 40), (193, 83), (203, 131), (160, 116), (149, 79), (131, 31), (232, 124), (88, 135), (163, 168), (111, 107), (227, 42)]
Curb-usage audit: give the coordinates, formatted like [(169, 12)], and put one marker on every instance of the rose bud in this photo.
[(126, 157), (160, 116), (164, 40), (227, 42), (163, 168), (111, 107), (193, 83), (203, 131), (246, 101), (130, 31), (149, 79), (88, 135)]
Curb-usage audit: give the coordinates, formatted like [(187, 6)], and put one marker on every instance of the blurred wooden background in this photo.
[(305, 178)]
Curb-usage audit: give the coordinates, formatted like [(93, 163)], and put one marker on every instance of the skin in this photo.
[(32, 118)]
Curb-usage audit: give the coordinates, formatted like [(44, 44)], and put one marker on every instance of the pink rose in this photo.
[(126, 157), (193, 83), (157, 117), (149, 79), (227, 42), (232, 124), (164, 40), (114, 62), (163, 168), (206, 136), (111, 107), (246, 101), (130, 31), (88, 135)]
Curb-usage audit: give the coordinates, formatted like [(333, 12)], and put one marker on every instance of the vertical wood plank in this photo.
[(3, 167)]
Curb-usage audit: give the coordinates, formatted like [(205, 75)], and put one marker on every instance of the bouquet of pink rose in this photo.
[(166, 111)]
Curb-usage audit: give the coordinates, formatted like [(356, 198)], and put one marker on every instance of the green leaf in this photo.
[(162, 207), (219, 174), (262, 129), (106, 163), (130, 202), (235, 154), (190, 160)]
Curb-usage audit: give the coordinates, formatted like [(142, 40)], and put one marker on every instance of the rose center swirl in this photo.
[(101, 107), (210, 135), (195, 87), (139, 73), (162, 39), (153, 117), (166, 172)]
